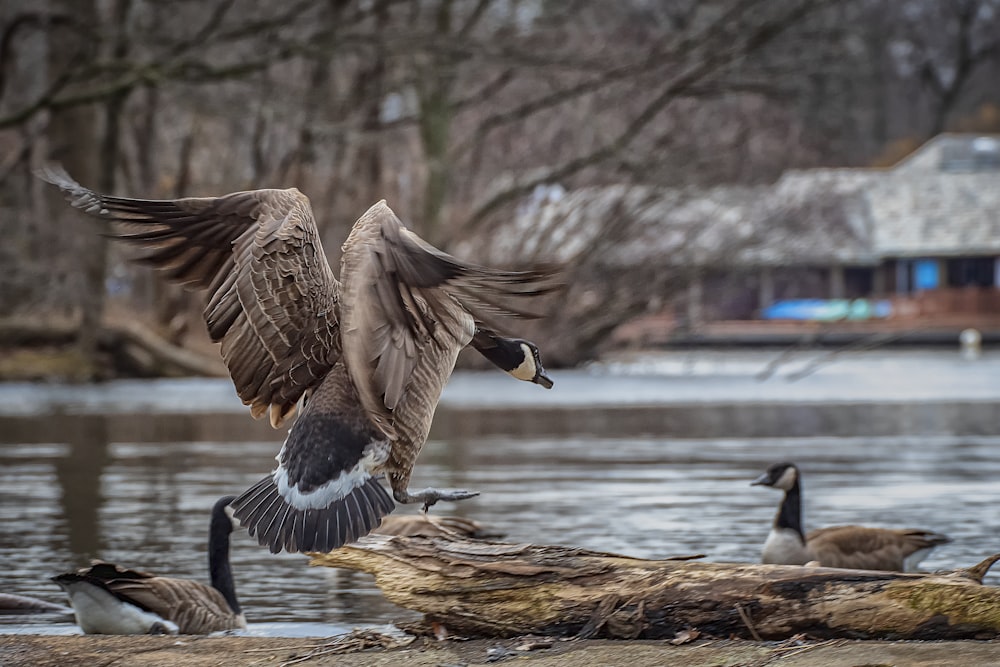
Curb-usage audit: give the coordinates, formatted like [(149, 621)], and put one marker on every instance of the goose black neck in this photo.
[(790, 512), (219, 569), (503, 352)]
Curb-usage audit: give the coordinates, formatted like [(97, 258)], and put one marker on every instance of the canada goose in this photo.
[(112, 600), (369, 353), (428, 525), (853, 547)]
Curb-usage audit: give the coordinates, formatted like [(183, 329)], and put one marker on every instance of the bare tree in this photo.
[(949, 41), (454, 110)]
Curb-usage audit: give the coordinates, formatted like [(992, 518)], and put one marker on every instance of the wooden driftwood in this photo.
[(476, 588), (135, 346), (156, 355)]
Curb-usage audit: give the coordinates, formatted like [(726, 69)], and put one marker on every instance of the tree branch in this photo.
[(710, 59)]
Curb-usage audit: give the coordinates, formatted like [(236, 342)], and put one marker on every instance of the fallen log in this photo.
[(28, 331), (155, 355), (476, 589), (137, 348)]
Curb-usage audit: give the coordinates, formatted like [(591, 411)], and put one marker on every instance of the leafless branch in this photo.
[(704, 62)]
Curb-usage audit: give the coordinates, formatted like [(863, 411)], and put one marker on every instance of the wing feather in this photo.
[(407, 303), (870, 548), (272, 300)]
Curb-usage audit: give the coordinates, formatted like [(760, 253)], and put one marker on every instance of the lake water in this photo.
[(128, 471)]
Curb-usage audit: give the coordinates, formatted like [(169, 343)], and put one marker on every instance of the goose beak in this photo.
[(543, 380), (761, 481)]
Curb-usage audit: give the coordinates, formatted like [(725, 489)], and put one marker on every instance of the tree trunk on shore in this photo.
[(135, 348), (74, 142), (496, 589)]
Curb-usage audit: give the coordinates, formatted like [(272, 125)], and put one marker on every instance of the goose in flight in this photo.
[(853, 547), (369, 353), (111, 600)]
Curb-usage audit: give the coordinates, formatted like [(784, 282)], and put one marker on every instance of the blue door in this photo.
[(926, 274)]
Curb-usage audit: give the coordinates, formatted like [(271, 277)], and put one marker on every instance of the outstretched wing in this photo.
[(272, 295), (409, 308)]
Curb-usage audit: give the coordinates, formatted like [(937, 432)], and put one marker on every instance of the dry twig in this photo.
[(745, 615), (358, 640)]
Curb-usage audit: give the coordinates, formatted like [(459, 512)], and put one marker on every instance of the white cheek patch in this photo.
[(526, 370), (787, 480)]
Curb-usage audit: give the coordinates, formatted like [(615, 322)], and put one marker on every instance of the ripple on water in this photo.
[(145, 505)]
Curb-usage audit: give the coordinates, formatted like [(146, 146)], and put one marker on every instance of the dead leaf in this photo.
[(685, 636)]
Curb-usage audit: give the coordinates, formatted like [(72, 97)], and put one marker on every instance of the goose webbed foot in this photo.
[(430, 496)]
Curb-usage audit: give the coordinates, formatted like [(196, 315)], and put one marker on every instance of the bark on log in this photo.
[(496, 589)]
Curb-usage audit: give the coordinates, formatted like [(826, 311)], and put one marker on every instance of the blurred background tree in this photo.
[(455, 111)]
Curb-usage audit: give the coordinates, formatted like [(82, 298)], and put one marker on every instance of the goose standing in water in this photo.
[(112, 600), (853, 547), (369, 354)]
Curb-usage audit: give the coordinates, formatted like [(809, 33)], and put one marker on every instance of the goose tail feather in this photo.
[(279, 524)]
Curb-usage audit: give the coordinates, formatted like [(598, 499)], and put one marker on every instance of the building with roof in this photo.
[(917, 243), (913, 243)]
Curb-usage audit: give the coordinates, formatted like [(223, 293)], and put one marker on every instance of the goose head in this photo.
[(520, 358), (778, 476)]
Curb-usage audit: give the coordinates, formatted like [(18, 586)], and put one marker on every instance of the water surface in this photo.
[(78, 483)]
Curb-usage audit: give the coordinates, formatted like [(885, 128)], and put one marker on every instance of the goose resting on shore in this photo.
[(369, 354), (111, 600)]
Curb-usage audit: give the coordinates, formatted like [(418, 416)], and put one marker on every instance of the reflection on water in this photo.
[(72, 489)]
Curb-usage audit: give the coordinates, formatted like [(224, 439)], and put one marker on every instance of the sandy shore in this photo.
[(98, 651)]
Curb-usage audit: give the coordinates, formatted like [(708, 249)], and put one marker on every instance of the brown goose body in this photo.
[(167, 605), (113, 600), (369, 353), (849, 546), (866, 548)]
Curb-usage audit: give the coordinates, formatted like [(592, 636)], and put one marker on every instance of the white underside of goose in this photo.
[(784, 547), (335, 489), (911, 562), (98, 612)]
